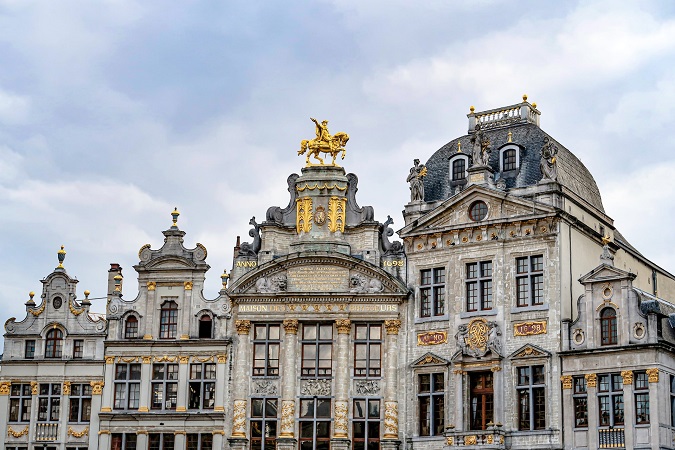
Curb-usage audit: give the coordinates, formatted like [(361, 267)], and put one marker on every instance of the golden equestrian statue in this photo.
[(324, 143)]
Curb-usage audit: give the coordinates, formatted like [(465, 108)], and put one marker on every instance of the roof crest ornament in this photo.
[(323, 143)]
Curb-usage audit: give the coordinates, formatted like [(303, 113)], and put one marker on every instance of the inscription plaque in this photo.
[(318, 279), (529, 328)]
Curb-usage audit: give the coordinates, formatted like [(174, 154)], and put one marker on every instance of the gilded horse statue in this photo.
[(324, 143)]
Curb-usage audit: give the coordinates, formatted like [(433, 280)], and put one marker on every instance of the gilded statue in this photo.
[(324, 143)]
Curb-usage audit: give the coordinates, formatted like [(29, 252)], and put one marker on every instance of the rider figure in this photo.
[(322, 134)]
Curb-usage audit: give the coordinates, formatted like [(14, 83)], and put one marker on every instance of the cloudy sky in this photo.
[(114, 112)]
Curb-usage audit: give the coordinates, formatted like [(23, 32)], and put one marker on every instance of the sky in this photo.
[(112, 113)]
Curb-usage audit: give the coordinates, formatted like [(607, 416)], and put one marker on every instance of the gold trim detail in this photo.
[(17, 434), (147, 337), (221, 358), (321, 188), (187, 285), (242, 326), (344, 326), (392, 326), (34, 387), (141, 432), (290, 326), (220, 432), (179, 432), (449, 440), (78, 434), (219, 409), (566, 381), (97, 388), (239, 419), (104, 432), (202, 359), (166, 358), (75, 311), (183, 359), (287, 418), (143, 409), (147, 359), (152, 285), (390, 420), (470, 440), (66, 388), (304, 215), (653, 375), (106, 409), (4, 387), (341, 418), (128, 359), (627, 376), (591, 380), (181, 409), (432, 338), (336, 214), (530, 328), (37, 312)]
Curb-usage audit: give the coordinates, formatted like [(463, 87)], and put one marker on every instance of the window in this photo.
[(481, 390), (479, 286), (608, 329), (131, 328), (266, 350), (127, 386), (80, 403), (164, 386), (20, 398), (202, 386), (78, 348), (431, 400), (53, 343), (641, 398), (672, 400), (123, 441), (530, 280), (199, 441), (264, 423), (509, 161), (610, 399), (314, 423), (205, 327), (531, 398), (432, 292), (16, 448), (366, 424), (367, 350), (49, 402), (29, 352), (459, 169), (478, 211), (161, 441), (168, 320), (317, 346), (580, 398)]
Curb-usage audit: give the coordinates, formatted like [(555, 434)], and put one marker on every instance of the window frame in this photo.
[(78, 348), (202, 386), (368, 367), (315, 420), (432, 293), (201, 437), (54, 344), (580, 401), (481, 395), (532, 391), (49, 403), (127, 386), (431, 423), (80, 395), (165, 441), (311, 367), (264, 420), (371, 424), (641, 395), (162, 380), (131, 332), (20, 398), (265, 343), (124, 441), (609, 331), (502, 156), (168, 320), (613, 393), (534, 280), (482, 300), (29, 349), (201, 330)]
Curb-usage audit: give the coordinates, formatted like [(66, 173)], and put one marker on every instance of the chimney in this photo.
[(115, 270)]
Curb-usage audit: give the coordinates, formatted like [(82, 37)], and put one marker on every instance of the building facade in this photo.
[(513, 315)]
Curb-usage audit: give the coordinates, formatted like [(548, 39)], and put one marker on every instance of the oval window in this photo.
[(478, 211), (57, 302)]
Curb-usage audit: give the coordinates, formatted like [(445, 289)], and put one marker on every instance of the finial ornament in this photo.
[(62, 257), (509, 137), (323, 143), (224, 277), (524, 97), (175, 215), (606, 240), (86, 294), (472, 109), (459, 147)]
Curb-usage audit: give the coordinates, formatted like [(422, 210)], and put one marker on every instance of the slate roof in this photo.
[(571, 171)]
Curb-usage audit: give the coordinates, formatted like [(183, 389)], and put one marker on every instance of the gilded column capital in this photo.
[(152, 285), (66, 388), (96, 387), (290, 326), (344, 326), (221, 358), (566, 381), (653, 375), (4, 387), (392, 326), (627, 376), (109, 359), (147, 359), (591, 380), (242, 326), (34, 387), (183, 359)]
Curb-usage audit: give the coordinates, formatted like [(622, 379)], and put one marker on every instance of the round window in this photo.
[(57, 302), (478, 211)]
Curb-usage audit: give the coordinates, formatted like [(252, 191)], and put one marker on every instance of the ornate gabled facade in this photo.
[(52, 371)]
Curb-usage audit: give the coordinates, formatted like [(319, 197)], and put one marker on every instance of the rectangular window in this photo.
[(20, 397), (580, 398), (367, 350), (314, 423), (202, 386), (641, 388), (79, 409), (127, 386), (610, 400), (49, 402), (199, 441), (266, 341), (431, 401), (78, 348), (432, 292), (530, 280), (264, 423), (317, 350), (366, 424), (459, 169), (479, 286), (161, 441), (481, 385), (123, 441), (531, 398), (164, 386), (29, 352)]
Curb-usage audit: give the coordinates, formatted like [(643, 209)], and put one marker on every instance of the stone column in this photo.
[(183, 380), (185, 319), (238, 440), (221, 363), (592, 402), (109, 377), (498, 382), (141, 440), (217, 439), (655, 405), (5, 387), (628, 408), (150, 305), (459, 399), (179, 440), (391, 387), (288, 387), (95, 423), (146, 376), (340, 439), (568, 405), (104, 440)]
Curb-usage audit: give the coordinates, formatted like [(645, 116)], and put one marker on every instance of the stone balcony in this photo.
[(506, 116), (493, 437)]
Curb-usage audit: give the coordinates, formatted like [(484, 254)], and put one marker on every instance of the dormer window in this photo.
[(458, 166), (131, 328), (168, 320), (54, 343), (509, 158), (205, 327), (608, 329)]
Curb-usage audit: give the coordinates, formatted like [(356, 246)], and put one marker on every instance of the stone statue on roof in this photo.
[(417, 173), (481, 147), (548, 164)]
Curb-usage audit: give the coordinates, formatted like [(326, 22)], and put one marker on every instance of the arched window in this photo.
[(205, 327), (131, 328), (168, 321), (608, 330), (53, 343)]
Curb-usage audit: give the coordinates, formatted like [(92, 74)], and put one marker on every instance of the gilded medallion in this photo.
[(320, 215)]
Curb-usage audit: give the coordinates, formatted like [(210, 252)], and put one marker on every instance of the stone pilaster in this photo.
[(104, 439), (391, 379), (221, 363), (183, 374), (240, 387), (94, 423), (217, 439), (628, 408), (151, 308), (141, 440), (341, 394), (288, 388), (179, 440), (5, 387), (498, 384), (592, 396), (655, 404), (106, 401), (568, 405), (459, 399), (146, 375)]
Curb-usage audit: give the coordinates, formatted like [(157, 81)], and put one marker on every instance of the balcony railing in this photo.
[(502, 117), (611, 438), (47, 431), (490, 438)]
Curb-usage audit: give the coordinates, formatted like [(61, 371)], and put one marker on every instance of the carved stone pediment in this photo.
[(529, 351), (430, 359), (604, 273)]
